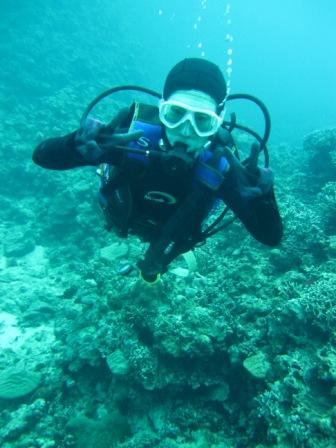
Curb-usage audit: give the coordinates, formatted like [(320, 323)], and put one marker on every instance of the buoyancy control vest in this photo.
[(115, 195)]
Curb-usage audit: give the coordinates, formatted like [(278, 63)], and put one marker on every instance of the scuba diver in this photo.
[(164, 168)]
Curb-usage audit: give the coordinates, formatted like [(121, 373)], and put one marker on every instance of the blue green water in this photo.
[(237, 353), (282, 51)]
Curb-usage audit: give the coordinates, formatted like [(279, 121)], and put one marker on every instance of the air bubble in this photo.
[(228, 38)]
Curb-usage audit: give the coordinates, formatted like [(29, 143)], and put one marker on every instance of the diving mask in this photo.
[(205, 122)]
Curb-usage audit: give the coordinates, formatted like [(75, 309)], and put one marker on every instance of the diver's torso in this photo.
[(157, 197)]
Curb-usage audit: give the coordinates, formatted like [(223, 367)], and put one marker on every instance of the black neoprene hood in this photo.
[(196, 74)]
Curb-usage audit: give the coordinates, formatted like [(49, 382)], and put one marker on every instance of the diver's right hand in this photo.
[(94, 130)]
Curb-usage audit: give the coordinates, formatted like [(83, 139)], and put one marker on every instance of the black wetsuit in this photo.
[(259, 215)]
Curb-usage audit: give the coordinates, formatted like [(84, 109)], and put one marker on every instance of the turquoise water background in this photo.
[(239, 350), (283, 52)]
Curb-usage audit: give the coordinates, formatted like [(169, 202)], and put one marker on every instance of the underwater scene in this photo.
[(168, 222)]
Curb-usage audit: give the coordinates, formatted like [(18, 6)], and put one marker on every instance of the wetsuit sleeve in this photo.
[(260, 215), (58, 153), (61, 153)]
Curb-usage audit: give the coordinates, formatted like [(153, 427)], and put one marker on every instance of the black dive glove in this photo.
[(95, 141), (251, 180)]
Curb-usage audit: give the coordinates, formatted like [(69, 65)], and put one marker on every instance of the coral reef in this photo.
[(16, 382), (238, 350), (321, 150)]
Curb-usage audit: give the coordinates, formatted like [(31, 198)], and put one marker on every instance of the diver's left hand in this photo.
[(252, 181)]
